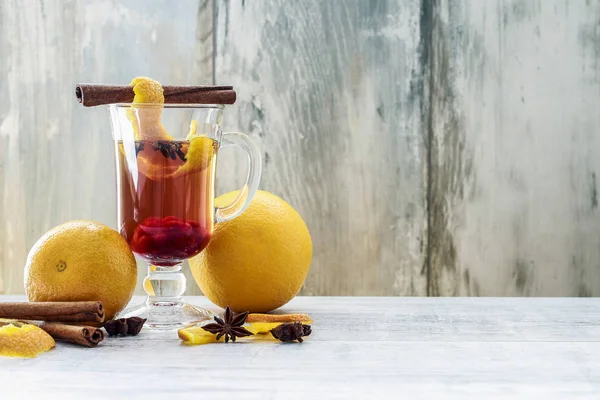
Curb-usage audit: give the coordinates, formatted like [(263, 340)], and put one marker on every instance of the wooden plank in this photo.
[(57, 158), (451, 348), (331, 90), (318, 370), (514, 150)]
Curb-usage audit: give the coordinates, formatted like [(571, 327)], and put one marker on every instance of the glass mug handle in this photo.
[(252, 178)]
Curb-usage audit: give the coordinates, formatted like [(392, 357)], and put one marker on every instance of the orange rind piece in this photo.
[(18, 339), (145, 116), (198, 154), (146, 110), (263, 323), (196, 335), (193, 130), (147, 90)]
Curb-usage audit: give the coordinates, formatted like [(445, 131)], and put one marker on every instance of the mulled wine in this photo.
[(167, 197)]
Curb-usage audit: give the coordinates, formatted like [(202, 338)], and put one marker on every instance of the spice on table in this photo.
[(116, 327), (60, 311), (135, 325), (87, 336), (124, 326), (230, 327), (291, 332)]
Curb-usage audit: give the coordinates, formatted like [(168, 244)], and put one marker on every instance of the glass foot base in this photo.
[(165, 315)]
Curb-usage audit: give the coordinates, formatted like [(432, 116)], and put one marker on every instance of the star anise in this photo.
[(124, 326), (229, 326), (116, 327), (291, 331), (135, 325)]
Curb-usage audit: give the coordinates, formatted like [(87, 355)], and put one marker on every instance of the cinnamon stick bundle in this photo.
[(95, 94), (68, 311), (82, 335)]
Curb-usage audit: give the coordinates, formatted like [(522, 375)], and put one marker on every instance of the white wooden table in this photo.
[(367, 348)]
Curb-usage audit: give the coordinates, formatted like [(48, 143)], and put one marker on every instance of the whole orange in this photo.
[(258, 261), (80, 261)]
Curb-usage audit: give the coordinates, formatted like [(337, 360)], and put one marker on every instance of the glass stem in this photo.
[(164, 285)]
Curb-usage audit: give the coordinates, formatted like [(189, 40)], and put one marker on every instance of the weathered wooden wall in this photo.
[(56, 158), (440, 147), (328, 88), (515, 147)]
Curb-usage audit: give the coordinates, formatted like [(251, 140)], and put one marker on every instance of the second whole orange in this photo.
[(258, 261)]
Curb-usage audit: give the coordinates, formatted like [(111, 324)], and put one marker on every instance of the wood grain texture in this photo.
[(330, 89), (515, 94), (431, 348), (56, 158)]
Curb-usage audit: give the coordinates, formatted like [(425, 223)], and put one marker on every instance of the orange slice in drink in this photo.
[(199, 154)]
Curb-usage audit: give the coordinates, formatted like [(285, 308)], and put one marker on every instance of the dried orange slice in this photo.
[(196, 335), (263, 323), (18, 339), (259, 328)]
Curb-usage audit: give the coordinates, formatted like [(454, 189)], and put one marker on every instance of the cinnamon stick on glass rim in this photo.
[(67, 311), (91, 95)]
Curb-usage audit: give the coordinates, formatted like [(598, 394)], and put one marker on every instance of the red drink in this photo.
[(167, 198)]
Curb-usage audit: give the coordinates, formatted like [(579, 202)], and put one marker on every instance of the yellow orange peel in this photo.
[(147, 90), (145, 113), (196, 335), (145, 116), (18, 339)]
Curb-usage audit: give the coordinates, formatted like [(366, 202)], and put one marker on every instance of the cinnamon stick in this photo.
[(82, 335), (68, 311), (95, 95)]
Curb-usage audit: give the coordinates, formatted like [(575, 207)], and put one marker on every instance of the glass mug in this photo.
[(166, 156)]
